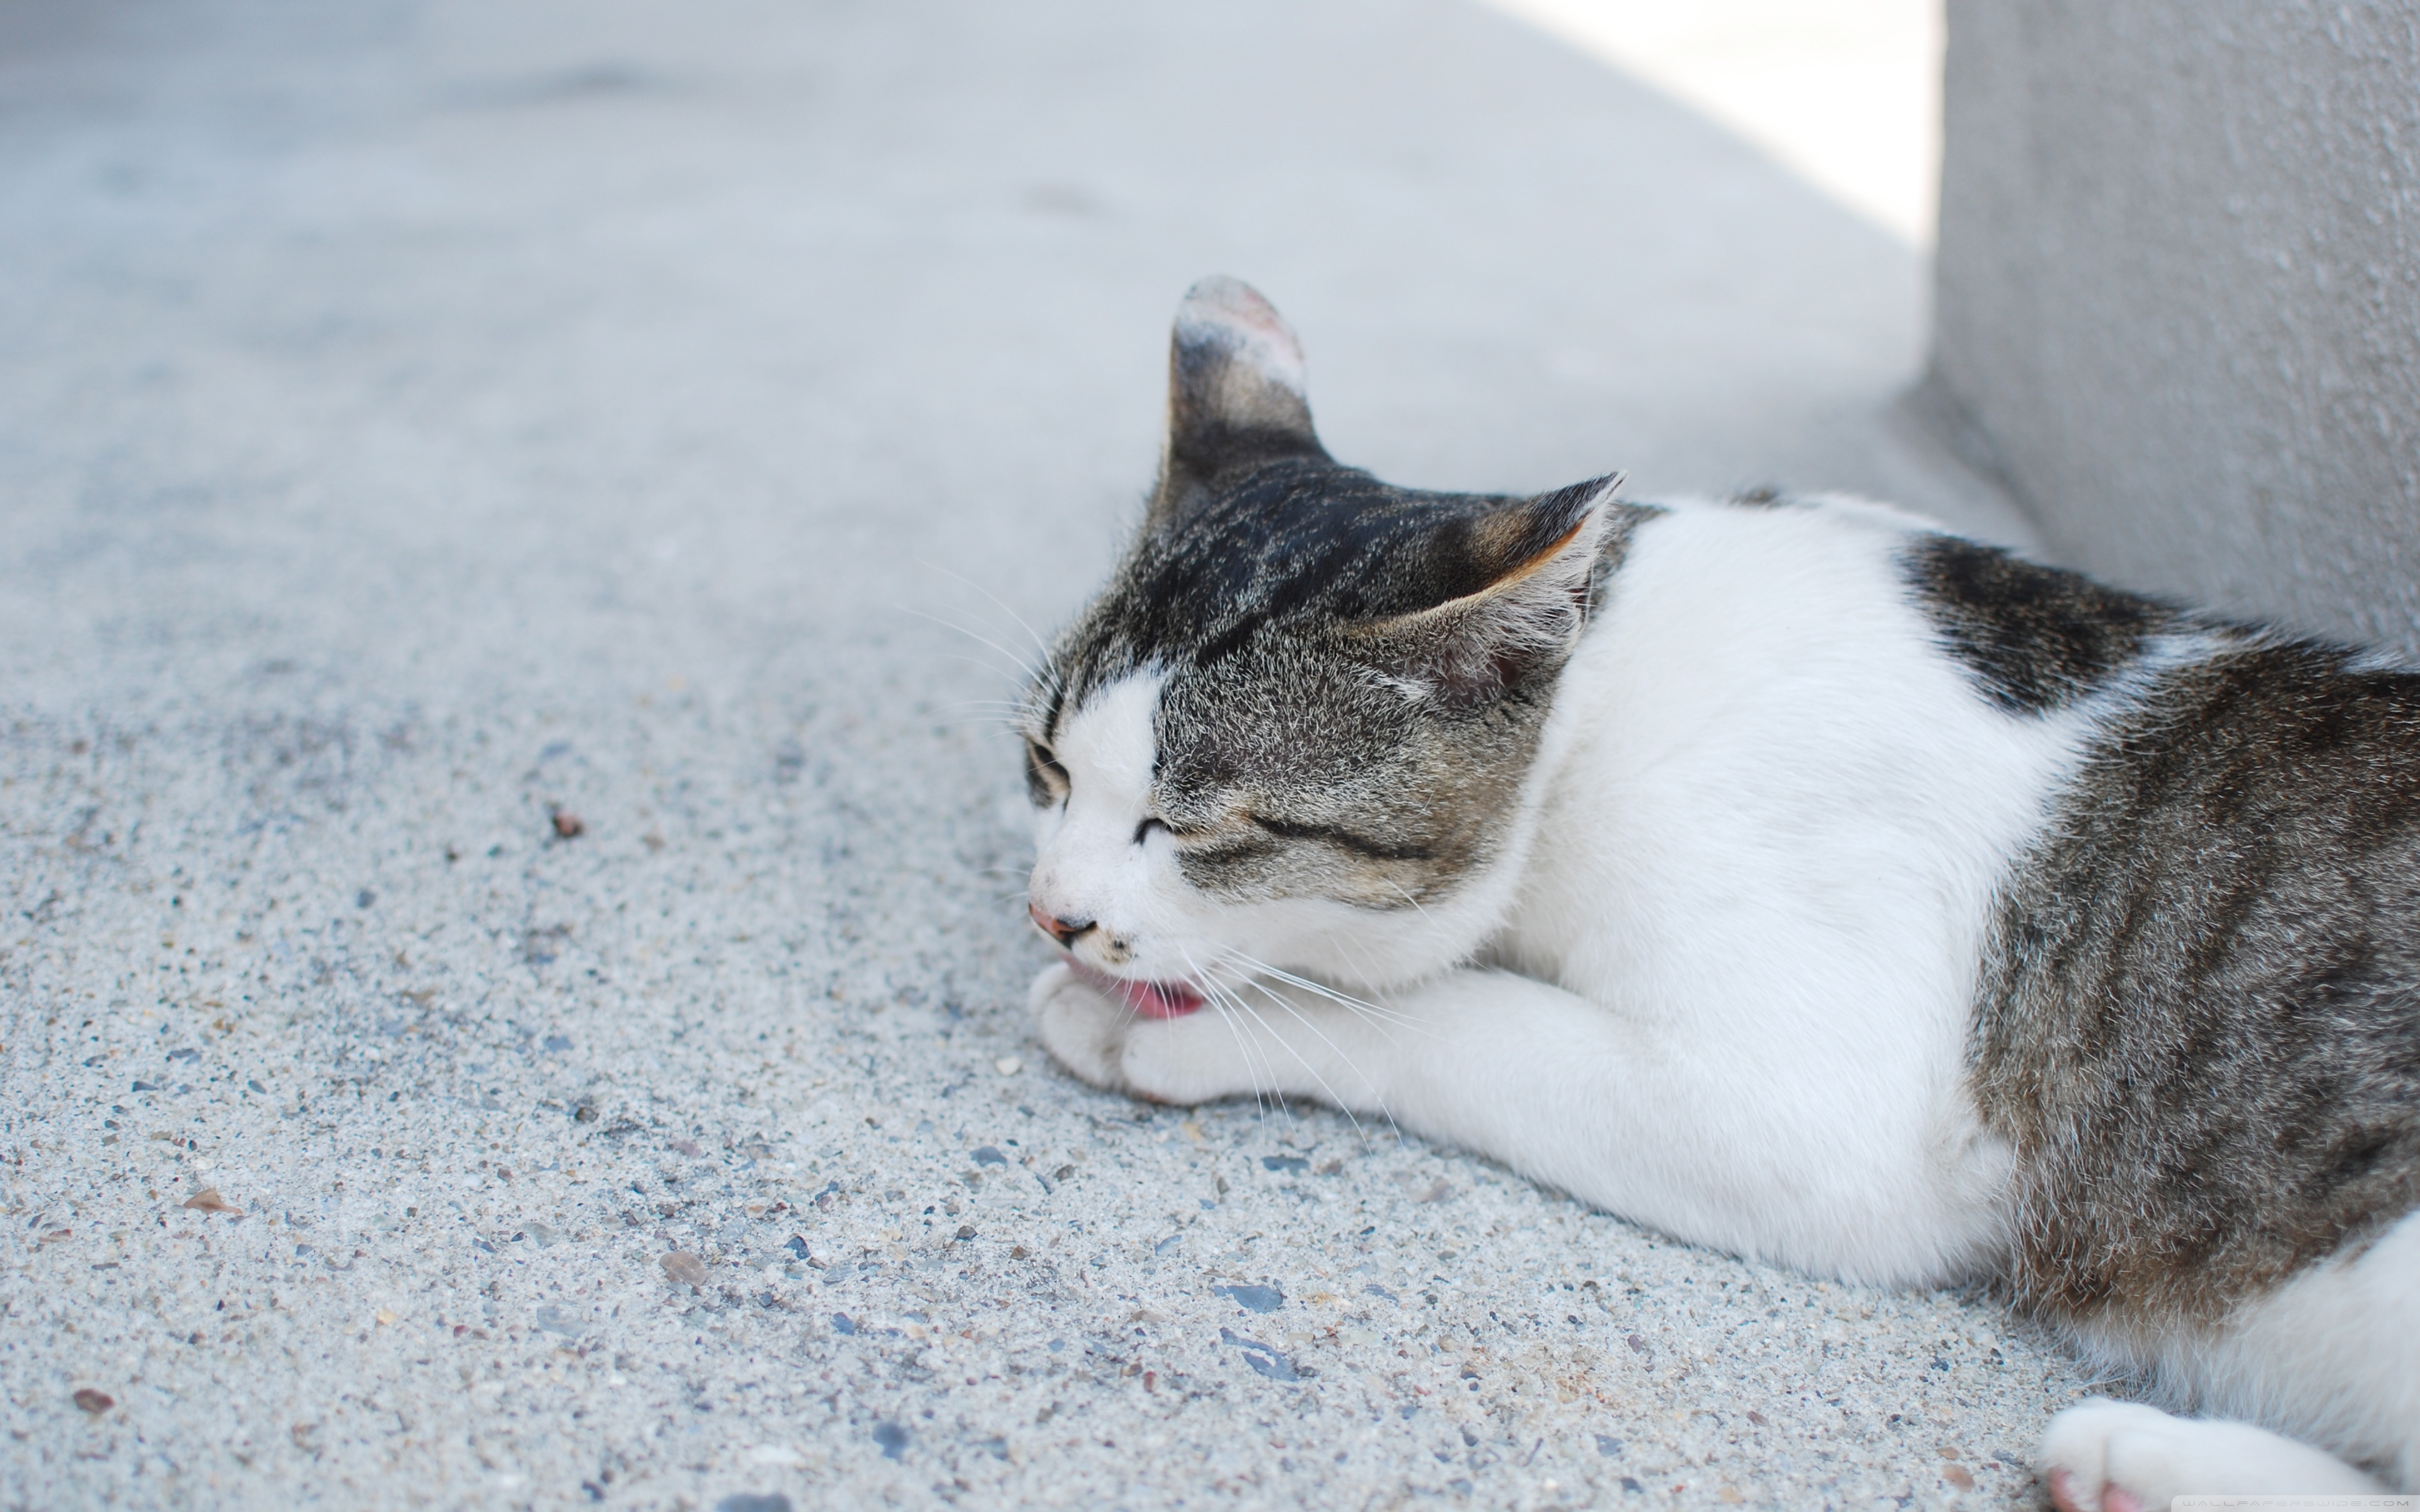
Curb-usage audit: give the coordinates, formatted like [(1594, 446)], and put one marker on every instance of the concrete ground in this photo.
[(510, 958)]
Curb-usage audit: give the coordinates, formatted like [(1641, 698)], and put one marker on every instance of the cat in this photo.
[(1787, 875)]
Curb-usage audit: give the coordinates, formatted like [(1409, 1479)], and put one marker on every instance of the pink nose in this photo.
[(1064, 931)]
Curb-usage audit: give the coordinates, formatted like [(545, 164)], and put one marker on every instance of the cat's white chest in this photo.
[(1771, 821)]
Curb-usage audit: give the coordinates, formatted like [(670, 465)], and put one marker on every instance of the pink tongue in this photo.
[(1162, 1001), (1152, 1000)]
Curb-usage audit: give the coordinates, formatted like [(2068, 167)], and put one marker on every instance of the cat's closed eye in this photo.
[(1045, 778)]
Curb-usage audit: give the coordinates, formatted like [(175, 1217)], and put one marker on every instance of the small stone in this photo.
[(1758, 1418), (1957, 1475), (990, 1155), (689, 1148), (567, 825), (754, 1502), (94, 1402), (892, 1437), (965, 1231), (1008, 1065), (1255, 1298), (1639, 1342), (384, 1317), (684, 1269), (208, 1201)]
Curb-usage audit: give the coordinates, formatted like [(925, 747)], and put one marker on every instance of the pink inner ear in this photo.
[(1230, 304)]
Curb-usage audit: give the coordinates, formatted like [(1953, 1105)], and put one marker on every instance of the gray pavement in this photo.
[(488, 799)]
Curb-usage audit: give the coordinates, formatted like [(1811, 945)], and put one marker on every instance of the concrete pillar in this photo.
[(2178, 294)]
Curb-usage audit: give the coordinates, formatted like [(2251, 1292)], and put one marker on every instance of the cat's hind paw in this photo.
[(2103, 1455)]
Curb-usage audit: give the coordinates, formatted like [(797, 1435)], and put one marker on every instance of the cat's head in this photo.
[(1296, 729)]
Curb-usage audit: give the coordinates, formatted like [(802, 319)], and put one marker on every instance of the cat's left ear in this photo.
[(1235, 391), (1537, 561)]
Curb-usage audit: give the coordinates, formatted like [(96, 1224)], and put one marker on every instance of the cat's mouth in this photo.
[(1152, 1000)]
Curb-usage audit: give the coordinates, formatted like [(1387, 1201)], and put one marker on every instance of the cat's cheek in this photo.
[(1083, 1030)]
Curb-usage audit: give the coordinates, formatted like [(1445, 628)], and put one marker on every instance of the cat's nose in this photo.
[(1065, 931)]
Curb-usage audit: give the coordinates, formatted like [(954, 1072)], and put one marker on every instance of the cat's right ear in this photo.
[(1520, 581), (1235, 391)]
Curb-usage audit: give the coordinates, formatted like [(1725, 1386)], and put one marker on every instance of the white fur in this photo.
[(2333, 1356), (1726, 965), (2102, 1446)]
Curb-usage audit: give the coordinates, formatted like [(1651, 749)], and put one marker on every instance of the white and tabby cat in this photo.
[(1783, 873)]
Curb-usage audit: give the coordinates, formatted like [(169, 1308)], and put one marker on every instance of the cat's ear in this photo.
[(1536, 561), (1234, 389)]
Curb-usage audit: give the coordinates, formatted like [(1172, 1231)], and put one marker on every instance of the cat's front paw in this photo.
[(1083, 1030), (1191, 1059), (2122, 1457)]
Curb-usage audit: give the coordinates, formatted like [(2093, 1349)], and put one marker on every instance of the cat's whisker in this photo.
[(1004, 708), (1407, 897), (1006, 723), (1359, 954), (1376, 1013), (1368, 1012), (1367, 1081), (978, 661), (1032, 634), (1028, 672), (1244, 1048), (1382, 1020), (1247, 1009), (1217, 997)]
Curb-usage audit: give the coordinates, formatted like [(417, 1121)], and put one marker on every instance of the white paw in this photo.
[(2075, 1454), (2123, 1457), (1193, 1060), (1083, 1030)]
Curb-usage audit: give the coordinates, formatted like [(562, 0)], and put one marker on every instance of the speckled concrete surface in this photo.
[(486, 806)]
